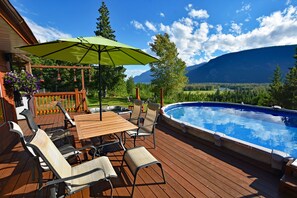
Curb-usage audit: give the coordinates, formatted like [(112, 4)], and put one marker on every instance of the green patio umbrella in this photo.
[(91, 50)]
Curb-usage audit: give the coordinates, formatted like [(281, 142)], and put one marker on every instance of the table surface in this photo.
[(89, 125)]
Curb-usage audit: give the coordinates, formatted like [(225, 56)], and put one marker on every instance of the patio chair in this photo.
[(136, 113), (148, 126), (66, 149), (73, 179), (53, 134), (67, 119), (38, 162)]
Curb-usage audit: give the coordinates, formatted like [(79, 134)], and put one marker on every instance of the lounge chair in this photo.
[(66, 149), (136, 112), (67, 119), (38, 162), (74, 178), (148, 126)]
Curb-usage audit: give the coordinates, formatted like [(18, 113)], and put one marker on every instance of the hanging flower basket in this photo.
[(22, 82)]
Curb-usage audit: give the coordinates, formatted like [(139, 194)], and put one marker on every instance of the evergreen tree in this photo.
[(290, 87), (130, 85), (111, 76), (103, 25), (169, 72), (276, 86)]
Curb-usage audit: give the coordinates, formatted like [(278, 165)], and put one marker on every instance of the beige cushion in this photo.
[(138, 157)]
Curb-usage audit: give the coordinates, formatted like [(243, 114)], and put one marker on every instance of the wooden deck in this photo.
[(192, 169)]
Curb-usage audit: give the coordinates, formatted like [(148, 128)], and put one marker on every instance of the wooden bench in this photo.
[(138, 158)]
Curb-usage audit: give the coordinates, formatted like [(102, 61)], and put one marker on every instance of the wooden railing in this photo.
[(45, 103)]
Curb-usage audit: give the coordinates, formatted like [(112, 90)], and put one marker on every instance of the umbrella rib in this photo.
[(88, 49), (110, 57), (132, 56)]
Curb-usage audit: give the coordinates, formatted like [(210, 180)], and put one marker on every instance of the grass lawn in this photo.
[(94, 102), (201, 92)]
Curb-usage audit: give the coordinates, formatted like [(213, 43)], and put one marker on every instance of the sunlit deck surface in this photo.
[(192, 169)]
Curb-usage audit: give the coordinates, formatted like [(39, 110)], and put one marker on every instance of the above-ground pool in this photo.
[(117, 109), (269, 134)]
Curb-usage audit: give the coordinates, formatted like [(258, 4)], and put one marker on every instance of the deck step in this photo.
[(288, 182)]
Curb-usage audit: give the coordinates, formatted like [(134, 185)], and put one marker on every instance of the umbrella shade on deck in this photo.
[(91, 50)]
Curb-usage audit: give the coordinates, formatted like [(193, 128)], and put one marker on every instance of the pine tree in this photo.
[(290, 87), (169, 72), (130, 85), (111, 76), (103, 25), (276, 87)]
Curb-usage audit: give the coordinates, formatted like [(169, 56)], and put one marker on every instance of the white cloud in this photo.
[(44, 34), (137, 25), (188, 7), (219, 28), (235, 28), (162, 14), (244, 8), (288, 2), (150, 26), (196, 42), (200, 14)]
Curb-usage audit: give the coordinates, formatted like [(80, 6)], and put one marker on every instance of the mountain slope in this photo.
[(250, 66), (145, 77)]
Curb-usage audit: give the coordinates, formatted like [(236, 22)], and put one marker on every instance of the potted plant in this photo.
[(17, 83)]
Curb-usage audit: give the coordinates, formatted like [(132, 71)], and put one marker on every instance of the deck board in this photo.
[(192, 168)]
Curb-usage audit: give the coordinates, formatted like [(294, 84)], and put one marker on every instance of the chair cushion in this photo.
[(101, 162), (139, 157), (141, 132)]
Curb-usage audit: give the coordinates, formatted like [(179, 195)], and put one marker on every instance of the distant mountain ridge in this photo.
[(249, 66), (145, 77)]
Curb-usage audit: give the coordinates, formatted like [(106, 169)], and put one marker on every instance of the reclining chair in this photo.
[(66, 149), (67, 119), (38, 162), (74, 178)]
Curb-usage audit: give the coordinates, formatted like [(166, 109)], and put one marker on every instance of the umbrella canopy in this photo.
[(91, 50), (86, 50)]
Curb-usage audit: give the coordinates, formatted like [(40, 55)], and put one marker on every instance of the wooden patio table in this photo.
[(89, 125)]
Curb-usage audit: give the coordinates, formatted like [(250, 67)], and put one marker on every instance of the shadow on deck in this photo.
[(193, 168)]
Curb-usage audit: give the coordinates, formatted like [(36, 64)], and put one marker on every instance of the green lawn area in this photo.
[(94, 101), (201, 92)]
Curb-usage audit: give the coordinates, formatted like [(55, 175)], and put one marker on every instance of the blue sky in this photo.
[(201, 30)]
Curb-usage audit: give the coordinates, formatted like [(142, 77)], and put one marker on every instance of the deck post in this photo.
[(76, 99), (137, 93), (161, 98)]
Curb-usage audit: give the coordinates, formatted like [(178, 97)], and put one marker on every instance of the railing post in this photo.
[(161, 98), (137, 93), (84, 100), (35, 105), (76, 99)]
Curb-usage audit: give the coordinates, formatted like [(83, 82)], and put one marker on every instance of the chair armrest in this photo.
[(40, 125), (86, 147), (56, 181)]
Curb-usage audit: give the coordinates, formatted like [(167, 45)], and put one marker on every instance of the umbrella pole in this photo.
[(100, 85)]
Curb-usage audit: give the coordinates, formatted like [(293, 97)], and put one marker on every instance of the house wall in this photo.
[(7, 139)]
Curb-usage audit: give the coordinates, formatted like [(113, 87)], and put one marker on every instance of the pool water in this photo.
[(270, 130)]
